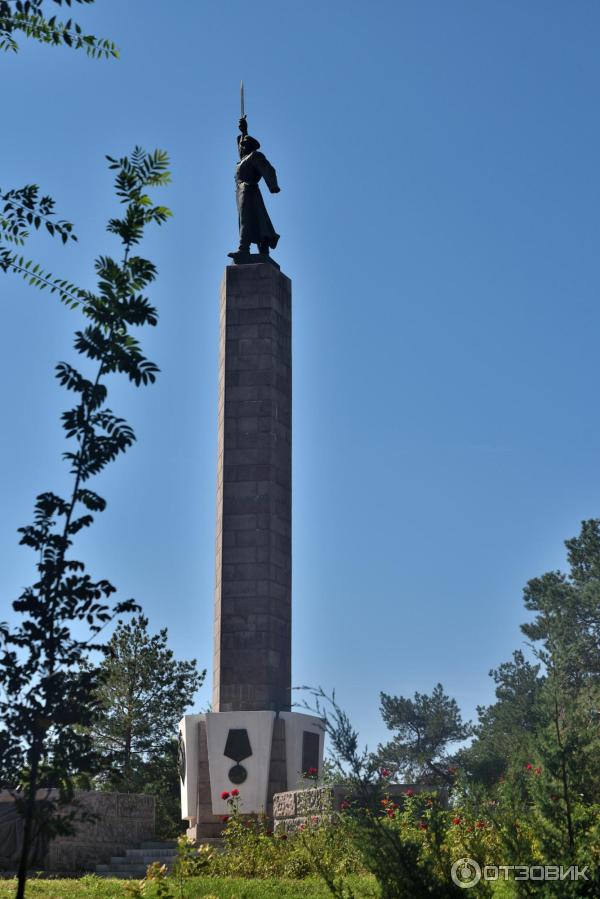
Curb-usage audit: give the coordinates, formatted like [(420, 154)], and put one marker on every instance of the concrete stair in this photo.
[(135, 861)]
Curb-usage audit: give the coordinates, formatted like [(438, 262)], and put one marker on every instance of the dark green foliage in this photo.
[(425, 726), (505, 731), (536, 749), (22, 210), (29, 18), (394, 858), (47, 698), (143, 693)]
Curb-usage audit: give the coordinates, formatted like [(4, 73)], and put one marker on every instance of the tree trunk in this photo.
[(28, 822)]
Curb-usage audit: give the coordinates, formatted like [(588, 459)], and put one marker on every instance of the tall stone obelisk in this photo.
[(253, 599), (251, 741)]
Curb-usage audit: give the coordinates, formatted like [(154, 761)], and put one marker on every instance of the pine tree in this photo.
[(143, 694)]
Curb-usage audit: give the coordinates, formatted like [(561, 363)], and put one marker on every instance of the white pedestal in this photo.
[(221, 751)]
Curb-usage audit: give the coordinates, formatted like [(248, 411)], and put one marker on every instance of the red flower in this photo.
[(391, 813), (312, 772), (479, 824), (456, 820), (314, 820), (470, 829), (225, 819), (422, 825), (224, 795), (409, 792), (385, 772), (538, 770), (528, 766), (234, 793), (345, 805), (302, 826)]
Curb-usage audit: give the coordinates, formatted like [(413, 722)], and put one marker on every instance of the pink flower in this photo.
[(314, 820), (224, 795), (385, 772)]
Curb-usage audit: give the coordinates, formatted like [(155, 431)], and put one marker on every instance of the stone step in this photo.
[(127, 861), (135, 861), (130, 874), (154, 844)]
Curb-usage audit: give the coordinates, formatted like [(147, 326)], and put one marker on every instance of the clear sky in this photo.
[(440, 220)]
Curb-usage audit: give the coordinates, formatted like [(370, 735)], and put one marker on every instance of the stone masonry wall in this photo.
[(123, 820), (299, 808)]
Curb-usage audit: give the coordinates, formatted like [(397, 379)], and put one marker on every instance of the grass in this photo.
[(91, 887)]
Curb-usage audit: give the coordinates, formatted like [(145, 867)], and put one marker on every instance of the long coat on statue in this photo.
[(255, 224)]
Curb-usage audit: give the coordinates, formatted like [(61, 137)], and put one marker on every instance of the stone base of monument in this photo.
[(257, 753), (298, 809)]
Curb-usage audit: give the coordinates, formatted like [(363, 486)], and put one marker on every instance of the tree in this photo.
[(565, 634), (536, 748), (425, 726), (144, 691), (46, 697), (506, 729), (404, 866)]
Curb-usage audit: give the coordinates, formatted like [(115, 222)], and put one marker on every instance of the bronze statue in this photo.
[(255, 224)]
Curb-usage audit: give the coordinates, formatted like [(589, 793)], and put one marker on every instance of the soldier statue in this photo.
[(255, 224)]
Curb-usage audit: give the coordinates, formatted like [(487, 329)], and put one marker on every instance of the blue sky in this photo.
[(440, 222)]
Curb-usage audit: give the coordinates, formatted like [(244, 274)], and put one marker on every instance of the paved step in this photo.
[(135, 861), (154, 844)]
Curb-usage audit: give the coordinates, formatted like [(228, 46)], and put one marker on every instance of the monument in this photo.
[(251, 740)]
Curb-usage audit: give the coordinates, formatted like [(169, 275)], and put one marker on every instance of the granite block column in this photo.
[(252, 649)]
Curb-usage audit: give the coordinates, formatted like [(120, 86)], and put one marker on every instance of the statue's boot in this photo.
[(240, 252)]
